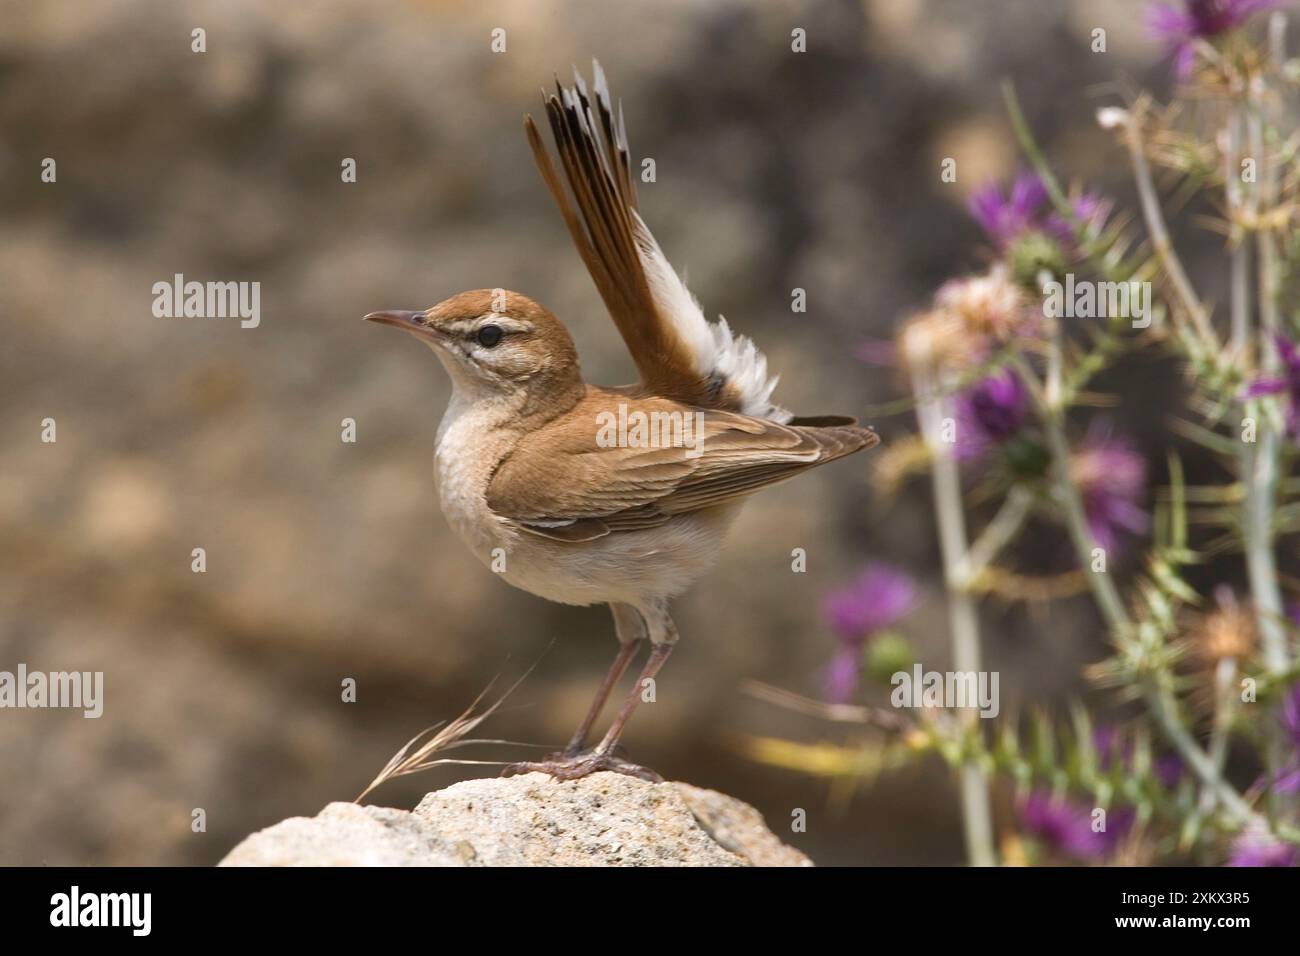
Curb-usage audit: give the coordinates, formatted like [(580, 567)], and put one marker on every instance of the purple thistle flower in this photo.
[(1091, 209), (876, 600), (1180, 26), (1253, 848), (1111, 477), (1006, 218), (1066, 826), (879, 597), (842, 674), (1287, 383), (989, 413)]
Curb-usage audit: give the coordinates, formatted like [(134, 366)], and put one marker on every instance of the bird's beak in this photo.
[(413, 322)]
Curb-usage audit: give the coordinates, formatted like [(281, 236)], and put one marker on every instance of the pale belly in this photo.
[(635, 567)]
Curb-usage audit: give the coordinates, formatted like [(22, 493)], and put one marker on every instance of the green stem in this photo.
[(977, 813), (1100, 583), (1261, 479), (1225, 699), (1162, 707), (1238, 274), (997, 534), (1158, 233)]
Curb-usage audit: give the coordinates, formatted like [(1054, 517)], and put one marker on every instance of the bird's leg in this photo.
[(658, 654), (625, 654), (630, 628), (572, 766)]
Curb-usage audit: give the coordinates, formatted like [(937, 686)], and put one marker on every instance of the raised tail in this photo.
[(678, 352)]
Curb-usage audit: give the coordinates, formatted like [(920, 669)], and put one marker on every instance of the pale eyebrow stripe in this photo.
[(508, 323)]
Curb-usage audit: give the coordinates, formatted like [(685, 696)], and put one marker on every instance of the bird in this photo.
[(584, 494)]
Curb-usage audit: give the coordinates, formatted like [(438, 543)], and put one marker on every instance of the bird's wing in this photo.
[(677, 351), (566, 481)]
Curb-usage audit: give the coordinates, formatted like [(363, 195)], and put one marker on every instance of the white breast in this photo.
[(465, 459)]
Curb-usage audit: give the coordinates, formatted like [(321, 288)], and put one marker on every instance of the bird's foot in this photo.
[(564, 766)]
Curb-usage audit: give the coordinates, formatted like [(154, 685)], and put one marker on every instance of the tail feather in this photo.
[(678, 352)]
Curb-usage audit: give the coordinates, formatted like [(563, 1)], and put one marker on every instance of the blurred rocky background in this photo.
[(328, 560)]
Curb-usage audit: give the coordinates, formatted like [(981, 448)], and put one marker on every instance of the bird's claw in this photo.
[(565, 766)]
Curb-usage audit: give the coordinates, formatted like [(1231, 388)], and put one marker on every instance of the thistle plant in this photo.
[(1000, 366)]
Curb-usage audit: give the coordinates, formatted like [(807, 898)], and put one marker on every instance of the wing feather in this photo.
[(560, 482)]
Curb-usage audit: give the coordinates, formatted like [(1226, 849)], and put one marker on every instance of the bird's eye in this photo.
[(490, 336)]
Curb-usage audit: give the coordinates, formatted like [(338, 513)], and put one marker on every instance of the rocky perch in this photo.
[(605, 819)]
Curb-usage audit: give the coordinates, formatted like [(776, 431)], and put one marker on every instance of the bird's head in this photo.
[(494, 341)]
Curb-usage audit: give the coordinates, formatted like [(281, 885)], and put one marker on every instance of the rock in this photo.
[(344, 834), (605, 819)]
